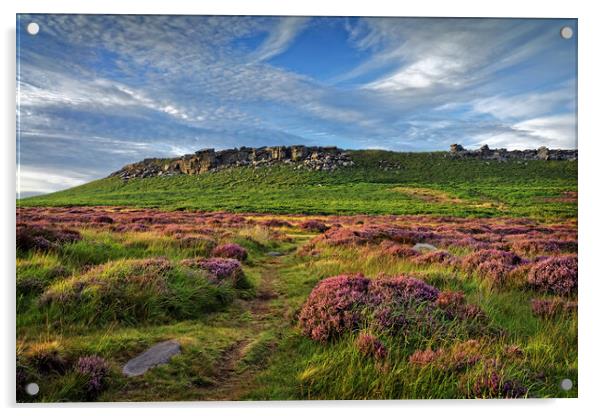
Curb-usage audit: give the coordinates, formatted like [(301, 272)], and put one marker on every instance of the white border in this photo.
[(590, 153)]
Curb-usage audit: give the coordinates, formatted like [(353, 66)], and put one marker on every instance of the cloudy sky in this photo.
[(97, 92)]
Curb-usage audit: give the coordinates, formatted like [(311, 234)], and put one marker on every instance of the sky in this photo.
[(95, 92)]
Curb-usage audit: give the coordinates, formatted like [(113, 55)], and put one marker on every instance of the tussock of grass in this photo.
[(133, 291)]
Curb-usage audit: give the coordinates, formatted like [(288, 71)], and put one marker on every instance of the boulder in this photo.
[(158, 354)]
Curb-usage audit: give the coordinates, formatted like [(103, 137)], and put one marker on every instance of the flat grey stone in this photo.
[(424, 247), (159, 353), (274, 253)]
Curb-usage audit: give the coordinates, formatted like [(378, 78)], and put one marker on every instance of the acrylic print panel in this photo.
[(289, 208)]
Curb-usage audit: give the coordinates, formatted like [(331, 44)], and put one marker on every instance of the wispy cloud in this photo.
[(280, 37), (99, 91)]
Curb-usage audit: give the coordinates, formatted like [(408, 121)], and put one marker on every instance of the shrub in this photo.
[(231, 250), (342, 303), (314, 226), (103, 219), (397, 250), (34, 237), (333, 306), (273, 222), (133, 291), (549, 308), (495, 271), (441, 257), (532, 247), (490, 384), (423, 358), (95, 369), (462, 356), (219, 269), (556, 275), (472, 261), (370, 346), (457, 358)]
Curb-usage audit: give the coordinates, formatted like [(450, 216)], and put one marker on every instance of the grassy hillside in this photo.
[(407, 183)]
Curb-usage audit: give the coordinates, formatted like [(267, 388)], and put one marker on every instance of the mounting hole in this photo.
[(566, 384), (566, 32), (32, 389), (33, 28)]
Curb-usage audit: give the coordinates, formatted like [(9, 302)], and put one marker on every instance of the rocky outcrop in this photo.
[(485, 153), (209, 160)]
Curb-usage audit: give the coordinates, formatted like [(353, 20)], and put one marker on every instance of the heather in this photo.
[(556, 275), (400, 304), (352, 309), (95, 369), (230, 250)]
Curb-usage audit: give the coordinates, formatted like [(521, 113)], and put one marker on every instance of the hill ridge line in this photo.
[(319, 158)]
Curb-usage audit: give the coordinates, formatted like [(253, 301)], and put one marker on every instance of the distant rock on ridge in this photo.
[(485, 153), (209, 160)]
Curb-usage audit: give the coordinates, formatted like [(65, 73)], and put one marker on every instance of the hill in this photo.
[(376, 182)]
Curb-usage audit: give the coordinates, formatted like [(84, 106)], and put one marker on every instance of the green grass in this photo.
[(273, 361), (89, 297), (462, 188)]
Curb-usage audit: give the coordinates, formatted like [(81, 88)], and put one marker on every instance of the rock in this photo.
[(504, 155), (543, 153), (423, 247), (274, 253), (208, 160), (455, 148), (159, 353)]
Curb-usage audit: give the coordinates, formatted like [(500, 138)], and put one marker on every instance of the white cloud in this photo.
[(557, 132), (41, 180), (280, 38), (524, 105), (422, 74)]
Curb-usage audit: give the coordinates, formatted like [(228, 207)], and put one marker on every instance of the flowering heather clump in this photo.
[(401, 289), (340, 237), (339, 304), (455, 307), (556, 275), (532, 247), (423, 358), (221, 269), (103, 219), (314, 226), (273, 222), (453, 303), (474, 260), (36, 237), (393, 249), (439, 257), (462, 355), (549, 308), (231, 251), (370, 346), (490, 384), (333, 306), (495, 271), (96, 370)]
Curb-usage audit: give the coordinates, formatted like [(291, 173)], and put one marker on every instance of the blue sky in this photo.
[(96, 92)]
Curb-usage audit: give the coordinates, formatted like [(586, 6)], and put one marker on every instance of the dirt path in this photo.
[(231, 382)]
